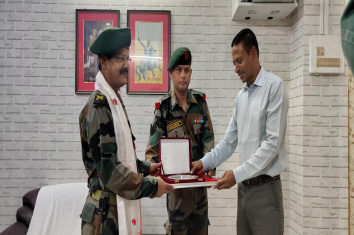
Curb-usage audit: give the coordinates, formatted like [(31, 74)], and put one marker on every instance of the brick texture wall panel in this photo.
[(40, 110)]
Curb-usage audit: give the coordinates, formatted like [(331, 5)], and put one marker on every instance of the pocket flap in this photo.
[(87, 212)]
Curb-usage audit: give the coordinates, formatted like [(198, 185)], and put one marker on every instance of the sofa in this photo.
[(23, 215), (52, 209), (58, 209)]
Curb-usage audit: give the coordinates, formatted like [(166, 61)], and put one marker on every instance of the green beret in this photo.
[(181, 56), (110, 40)]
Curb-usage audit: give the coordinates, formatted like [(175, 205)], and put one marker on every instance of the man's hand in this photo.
[(163, 187), (197, 167), (227, 180), (211, 173), (155, 169)]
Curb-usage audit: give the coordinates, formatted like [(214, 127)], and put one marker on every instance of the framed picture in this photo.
[(150, 51), (89, 24)]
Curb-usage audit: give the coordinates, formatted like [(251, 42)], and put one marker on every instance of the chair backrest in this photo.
[(30, 198)]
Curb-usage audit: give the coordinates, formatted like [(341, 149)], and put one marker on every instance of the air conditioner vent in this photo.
[(262, 9)]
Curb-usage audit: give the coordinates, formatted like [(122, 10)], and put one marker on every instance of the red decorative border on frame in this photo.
[(144, 88), (81, 17)]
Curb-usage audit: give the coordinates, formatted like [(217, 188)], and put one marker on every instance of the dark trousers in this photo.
[(260, 209)]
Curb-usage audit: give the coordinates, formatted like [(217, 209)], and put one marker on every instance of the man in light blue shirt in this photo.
[(257, 127)]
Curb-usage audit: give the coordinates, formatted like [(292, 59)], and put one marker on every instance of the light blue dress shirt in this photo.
[(257, 127)]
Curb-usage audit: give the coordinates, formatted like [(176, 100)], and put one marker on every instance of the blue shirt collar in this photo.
[(259, 80)]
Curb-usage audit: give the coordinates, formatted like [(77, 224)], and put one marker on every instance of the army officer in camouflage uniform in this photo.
[(107, 176), (183, 113)]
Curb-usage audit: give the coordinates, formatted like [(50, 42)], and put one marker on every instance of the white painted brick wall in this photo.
[(39, 115), (318, 133)]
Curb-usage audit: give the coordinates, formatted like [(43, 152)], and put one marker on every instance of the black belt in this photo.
[(261, 179)]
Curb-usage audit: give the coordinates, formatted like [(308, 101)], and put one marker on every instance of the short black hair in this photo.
[(99, 63), (248, 39)]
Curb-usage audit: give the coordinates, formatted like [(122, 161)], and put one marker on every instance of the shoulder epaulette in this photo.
[(163, 98), (200, 94), (100, 98)]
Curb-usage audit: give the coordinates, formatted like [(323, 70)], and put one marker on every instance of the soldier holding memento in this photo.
[(183, 113)]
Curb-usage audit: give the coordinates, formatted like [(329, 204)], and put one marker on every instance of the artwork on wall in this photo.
[(150, 51), (89, 24)]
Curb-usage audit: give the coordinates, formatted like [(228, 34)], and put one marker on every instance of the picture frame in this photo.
[(89, 24), (150, 51)]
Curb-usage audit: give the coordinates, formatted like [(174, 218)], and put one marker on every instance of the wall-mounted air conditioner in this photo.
[(262, 9)]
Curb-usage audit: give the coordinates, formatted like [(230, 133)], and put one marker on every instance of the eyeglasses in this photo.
[(179, 70), (122, 59)]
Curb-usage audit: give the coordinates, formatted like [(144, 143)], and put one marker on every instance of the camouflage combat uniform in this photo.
[(105, 174), (187, 208)]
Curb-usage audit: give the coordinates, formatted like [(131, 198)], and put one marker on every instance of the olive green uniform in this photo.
[(107, 177), (187, 208)]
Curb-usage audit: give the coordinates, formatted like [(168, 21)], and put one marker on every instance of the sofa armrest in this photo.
[(24, 214), (30, 198), (17, 228)]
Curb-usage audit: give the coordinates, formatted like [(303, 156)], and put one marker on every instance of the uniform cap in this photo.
[(181, 56), (110, 40)]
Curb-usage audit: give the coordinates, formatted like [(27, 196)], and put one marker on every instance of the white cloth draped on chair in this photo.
[(57, 210)]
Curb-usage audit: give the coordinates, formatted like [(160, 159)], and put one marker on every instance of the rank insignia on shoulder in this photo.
[(199, 120), (99, 96), (157, 105), (100, 99), (204, 97)]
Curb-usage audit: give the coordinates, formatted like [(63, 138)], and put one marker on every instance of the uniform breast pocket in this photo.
[(197, 132), (197, 128), (87, 212), (177, 132)]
